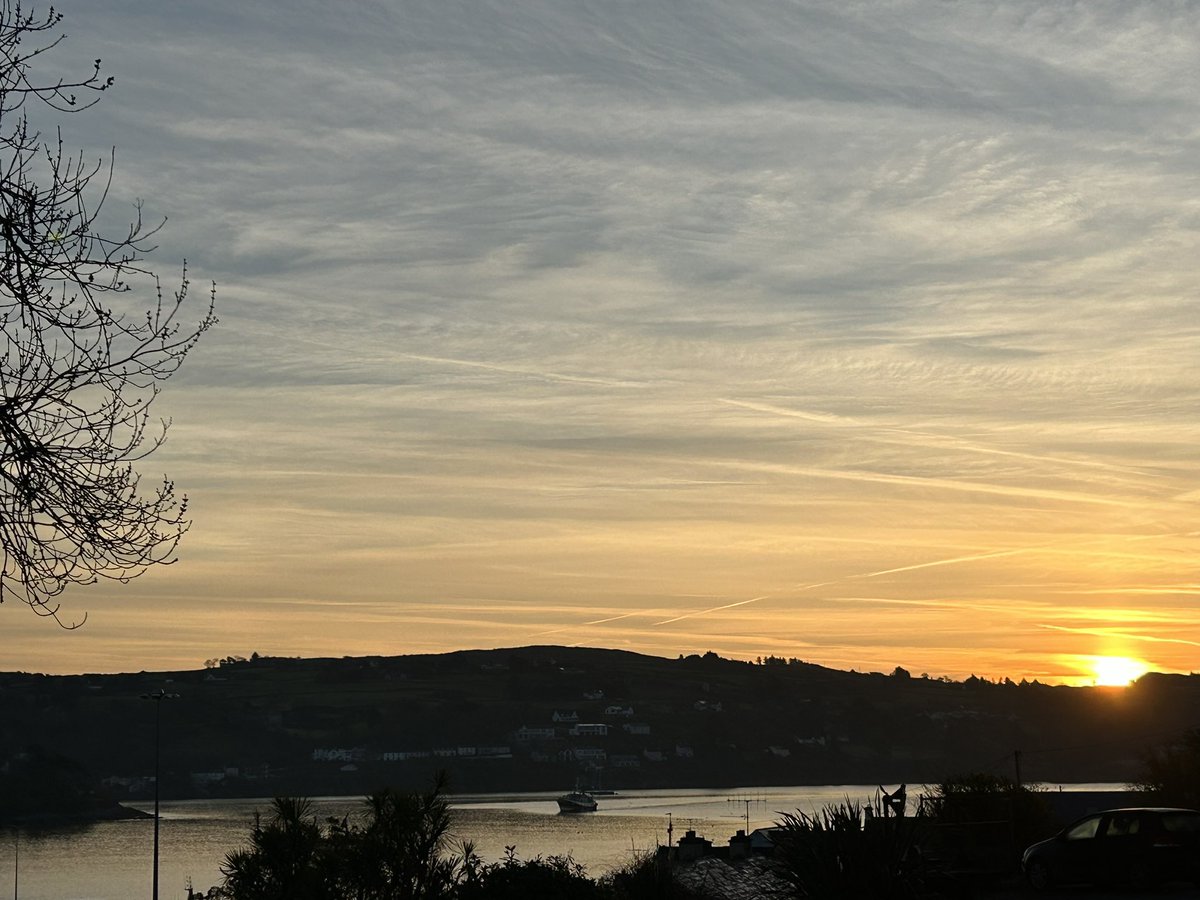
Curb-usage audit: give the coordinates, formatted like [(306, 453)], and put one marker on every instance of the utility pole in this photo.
[(1017, 764), (158, 697)]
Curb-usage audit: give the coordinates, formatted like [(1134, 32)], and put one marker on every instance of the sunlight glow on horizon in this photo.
[(1117, 671)]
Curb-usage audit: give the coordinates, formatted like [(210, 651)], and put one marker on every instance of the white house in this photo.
[(525, 734)]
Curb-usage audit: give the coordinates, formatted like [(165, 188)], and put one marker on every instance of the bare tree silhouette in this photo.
[(78, 373)]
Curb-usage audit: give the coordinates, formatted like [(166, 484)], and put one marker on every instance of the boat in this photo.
[(576, 802)]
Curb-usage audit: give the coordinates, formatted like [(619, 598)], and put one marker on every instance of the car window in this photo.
[(1083, 830), (1121, 824), (1181, 823)]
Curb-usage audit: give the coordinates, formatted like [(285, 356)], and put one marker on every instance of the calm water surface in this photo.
[(111, 860)]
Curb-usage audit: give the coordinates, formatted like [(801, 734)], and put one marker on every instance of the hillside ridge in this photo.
[(540, 717)]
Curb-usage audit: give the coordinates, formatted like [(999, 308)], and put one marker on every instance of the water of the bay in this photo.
[(112, 860)]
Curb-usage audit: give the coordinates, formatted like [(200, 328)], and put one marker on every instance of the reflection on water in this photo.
[(111, 860)]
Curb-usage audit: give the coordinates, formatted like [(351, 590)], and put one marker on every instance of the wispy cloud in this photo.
[(598, 318)]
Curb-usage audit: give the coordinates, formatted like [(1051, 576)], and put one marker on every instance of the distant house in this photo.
[(625, 761), (589, 729), (524, 734), (617, 710), (593, 695), (654, 755), (778, 751), (683, 751), (636, 728), (403, 755), (571, 716), (707, 706), (497, 752), (339, 754), (589, 754)]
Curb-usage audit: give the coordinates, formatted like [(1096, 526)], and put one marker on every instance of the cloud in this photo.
[(596, 308)]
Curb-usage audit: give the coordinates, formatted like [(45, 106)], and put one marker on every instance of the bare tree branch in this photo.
[(77, 374)]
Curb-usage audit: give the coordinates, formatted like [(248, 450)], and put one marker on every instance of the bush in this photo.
[(399, 848), (850, 852), (514, 879), (646, 877), (983, 821), (1171, 773)]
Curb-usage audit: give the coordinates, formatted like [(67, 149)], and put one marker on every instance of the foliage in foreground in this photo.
[(1171, 772), (400, 848), (851, 852), (979, 799), (513, 879)]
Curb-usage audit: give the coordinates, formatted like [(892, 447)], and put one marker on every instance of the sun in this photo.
[(1117, 671)]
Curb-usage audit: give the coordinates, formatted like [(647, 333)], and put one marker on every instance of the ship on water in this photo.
[(577, 801)]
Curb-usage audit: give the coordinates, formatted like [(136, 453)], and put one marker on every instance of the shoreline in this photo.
[(115, 813)]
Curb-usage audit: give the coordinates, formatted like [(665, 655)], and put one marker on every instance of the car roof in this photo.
[(1138, 809)]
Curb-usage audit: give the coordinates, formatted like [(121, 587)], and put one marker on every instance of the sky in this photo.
[(863, 333)]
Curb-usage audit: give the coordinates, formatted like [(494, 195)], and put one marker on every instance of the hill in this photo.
[(538, 718)]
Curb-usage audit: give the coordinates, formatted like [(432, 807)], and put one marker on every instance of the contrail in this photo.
[(947, 562), (516, 370), (703, 612), (949, 484), (640, 612), (1104, 632), (923, 438), (615, 618)]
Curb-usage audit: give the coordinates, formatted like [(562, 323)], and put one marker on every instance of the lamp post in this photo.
[(158, 697)]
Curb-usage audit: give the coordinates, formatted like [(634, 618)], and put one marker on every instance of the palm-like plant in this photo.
[(850, 852), (399, 849), (285, 858)]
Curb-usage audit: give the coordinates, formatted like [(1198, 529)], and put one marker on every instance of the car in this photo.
[(1137, 846)]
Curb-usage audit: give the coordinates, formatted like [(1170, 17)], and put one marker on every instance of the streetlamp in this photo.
[(158, 697)]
